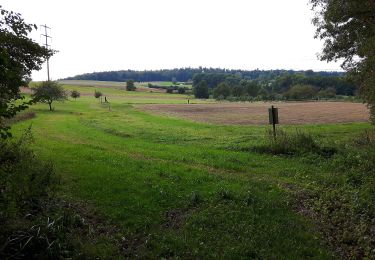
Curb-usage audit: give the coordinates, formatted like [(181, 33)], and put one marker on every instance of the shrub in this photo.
[(97, 94), (327, 93), (130, 86), (301, 92), (181, 90), (222, 91), (75, 94), (170, 90)]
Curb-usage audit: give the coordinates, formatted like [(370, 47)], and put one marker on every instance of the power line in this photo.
[(47, 45)]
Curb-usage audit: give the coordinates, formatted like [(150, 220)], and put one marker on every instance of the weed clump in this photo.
[(195, 198), (225, 194), (292, 144)]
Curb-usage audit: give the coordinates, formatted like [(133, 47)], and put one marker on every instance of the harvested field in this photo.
[(291, 113)]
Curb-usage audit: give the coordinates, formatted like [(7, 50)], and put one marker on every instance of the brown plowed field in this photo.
[(290, 113)]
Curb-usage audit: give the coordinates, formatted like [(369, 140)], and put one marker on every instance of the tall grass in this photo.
[(34, 223), (292, 143), (25, 181)]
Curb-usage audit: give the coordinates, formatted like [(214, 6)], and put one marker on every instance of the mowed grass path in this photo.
[(177, 188)]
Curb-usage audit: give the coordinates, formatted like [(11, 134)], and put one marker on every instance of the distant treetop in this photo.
[(187, 74)]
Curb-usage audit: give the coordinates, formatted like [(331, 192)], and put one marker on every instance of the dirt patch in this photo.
[(290, 113)]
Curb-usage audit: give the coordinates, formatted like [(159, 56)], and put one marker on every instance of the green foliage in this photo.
[(348, 30), (181, 90), (170, 90), (327, 93), (296, 143), (24, 180), (97, 94), (345, 206), (130, 86), (135, 168), (49, 91), (19, 56), (301, 92), (222, 91), (201, 90), (75, 94)]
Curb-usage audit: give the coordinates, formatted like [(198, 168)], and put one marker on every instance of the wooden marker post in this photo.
[(273, 114)]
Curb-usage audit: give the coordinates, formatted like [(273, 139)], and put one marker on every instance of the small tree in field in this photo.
[(75, 94), (98, 94), (130, 85), (49, 91)]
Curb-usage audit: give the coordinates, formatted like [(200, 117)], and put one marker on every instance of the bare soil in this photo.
[(291, 113)]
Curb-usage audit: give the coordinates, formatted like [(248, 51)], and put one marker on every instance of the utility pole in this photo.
[(47, 45)]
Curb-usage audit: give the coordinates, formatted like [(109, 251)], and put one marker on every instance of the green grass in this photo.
[(178, 188)]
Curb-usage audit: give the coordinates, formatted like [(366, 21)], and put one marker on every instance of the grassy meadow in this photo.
[(173, 188)]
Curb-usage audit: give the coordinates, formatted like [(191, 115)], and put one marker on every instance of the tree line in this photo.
[(288, 85), (187, 74)]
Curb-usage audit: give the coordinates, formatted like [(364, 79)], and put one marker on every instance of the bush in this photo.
[(130, 86), (181, 90), (222, 91), (75, 94), (301, 92), (97, 94)]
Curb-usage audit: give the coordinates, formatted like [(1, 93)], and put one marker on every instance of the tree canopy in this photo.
[(49, 91), (19, 56), (348, 28), (201, 90)]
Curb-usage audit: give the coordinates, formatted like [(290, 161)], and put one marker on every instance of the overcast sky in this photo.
[(156, 34)]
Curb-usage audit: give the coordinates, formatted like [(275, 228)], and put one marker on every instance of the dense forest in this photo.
[(286, 86), (243, 84), (187, 74)]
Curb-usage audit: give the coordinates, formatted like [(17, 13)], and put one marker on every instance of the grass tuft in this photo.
[(296, 143)]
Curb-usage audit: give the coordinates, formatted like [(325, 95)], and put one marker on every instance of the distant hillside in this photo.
[(187, 74)]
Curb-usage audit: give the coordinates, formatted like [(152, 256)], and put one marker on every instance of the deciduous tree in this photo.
[(49, 91), (201, 90), (348, 28), (130, 86), (19, 56)]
